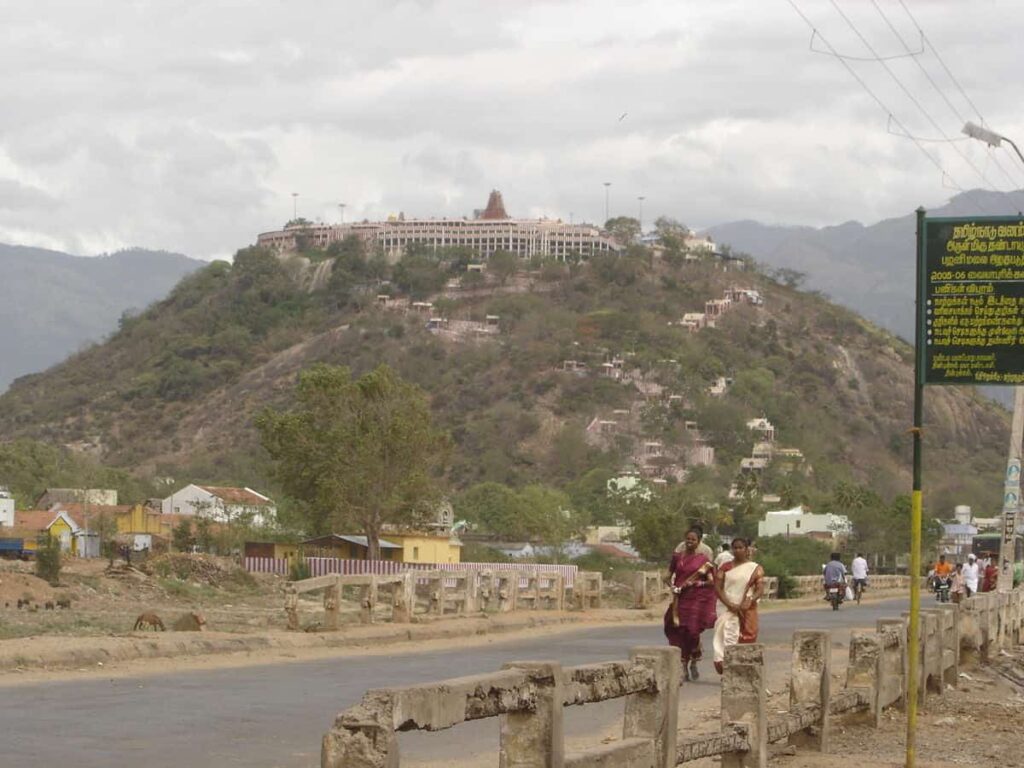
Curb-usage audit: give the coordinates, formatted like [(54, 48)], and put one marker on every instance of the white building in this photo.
[(6, 507), (221, 504), (799, 522)]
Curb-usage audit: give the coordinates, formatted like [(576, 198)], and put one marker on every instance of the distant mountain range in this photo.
[(52, 304), (869, 269)]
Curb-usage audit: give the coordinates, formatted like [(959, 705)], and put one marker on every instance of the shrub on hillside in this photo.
[(48, 560)]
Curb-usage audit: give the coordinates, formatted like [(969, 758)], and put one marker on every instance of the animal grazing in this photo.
[(190, 622), (23, 603), (64, 602), (49, 605), (33, 609), (149, 620)]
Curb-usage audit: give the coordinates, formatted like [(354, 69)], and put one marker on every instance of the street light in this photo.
[(991, 138), (607, 184), (1011, 486), (295, 205), (641, 198), (341, 207)]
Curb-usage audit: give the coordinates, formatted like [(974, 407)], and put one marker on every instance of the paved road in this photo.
[(275, 715)]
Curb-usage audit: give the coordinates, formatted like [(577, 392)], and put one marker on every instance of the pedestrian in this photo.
[(691, 611), (739, 584), (991, 577), (971, 575), (958, 588), (725, 556), (703, 548)]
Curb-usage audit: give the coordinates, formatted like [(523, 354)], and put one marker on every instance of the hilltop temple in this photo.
[(491, 230)]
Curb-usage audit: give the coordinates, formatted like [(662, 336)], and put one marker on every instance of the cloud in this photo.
[(187, 126)]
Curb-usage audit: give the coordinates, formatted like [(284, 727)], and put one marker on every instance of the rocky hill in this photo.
[(542, 376), (54, 303)]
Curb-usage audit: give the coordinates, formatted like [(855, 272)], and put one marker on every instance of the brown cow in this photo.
[(150, 620), (190, 622)]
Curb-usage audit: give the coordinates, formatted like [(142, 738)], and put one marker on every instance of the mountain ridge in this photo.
[(56, 302)]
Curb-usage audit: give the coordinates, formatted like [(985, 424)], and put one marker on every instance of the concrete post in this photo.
[(487, 594), (332, 601), (435, 591), (471, 604), (534, 739), (368, 601), (949, 629), (743, 702), (403, 599), (899, 671), (558, 585), (640, 590), (811, 682), (363, 737), (863, 668), (655, 714), (506, 584)]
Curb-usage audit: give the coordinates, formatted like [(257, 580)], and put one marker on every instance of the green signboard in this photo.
[(972, 279)]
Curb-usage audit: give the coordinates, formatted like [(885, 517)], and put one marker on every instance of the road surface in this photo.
[(274, 715)]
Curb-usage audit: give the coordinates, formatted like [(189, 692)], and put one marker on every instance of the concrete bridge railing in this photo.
[(444, 594), (650, 588), (528, 697)]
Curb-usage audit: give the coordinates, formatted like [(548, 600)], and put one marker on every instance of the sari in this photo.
[(740, 582), (693, 609)]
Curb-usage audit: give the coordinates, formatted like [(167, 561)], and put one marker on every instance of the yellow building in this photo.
[(427, 548)]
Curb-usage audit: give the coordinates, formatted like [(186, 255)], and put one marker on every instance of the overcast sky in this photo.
[(187, 125)]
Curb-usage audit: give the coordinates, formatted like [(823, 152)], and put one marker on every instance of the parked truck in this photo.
[(13, 549)]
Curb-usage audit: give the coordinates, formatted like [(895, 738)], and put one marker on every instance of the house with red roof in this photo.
[(222, 504)]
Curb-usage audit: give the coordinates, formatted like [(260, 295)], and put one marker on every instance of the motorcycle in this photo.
[(835, 594), (942, 588)]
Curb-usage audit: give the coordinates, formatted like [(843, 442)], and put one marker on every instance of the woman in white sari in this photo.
[(739, 585)]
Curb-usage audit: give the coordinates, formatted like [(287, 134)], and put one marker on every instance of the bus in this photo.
[(988, 545)]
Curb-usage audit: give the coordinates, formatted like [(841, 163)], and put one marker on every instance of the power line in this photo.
[(881, 104), (952, 107), (943, 63), (908, 93)]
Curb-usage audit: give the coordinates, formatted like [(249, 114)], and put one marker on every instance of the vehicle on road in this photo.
[(835, 594), (942, 587)]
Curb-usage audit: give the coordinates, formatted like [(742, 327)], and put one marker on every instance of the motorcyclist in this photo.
[(835, 575), (942, 574)]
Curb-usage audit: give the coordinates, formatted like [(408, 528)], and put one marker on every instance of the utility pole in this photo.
[(641, 219), (1011, 480), (295, 205), (607, 215), (341, 207)]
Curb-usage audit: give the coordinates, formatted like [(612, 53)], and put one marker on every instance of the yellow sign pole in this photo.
[(914, 631)]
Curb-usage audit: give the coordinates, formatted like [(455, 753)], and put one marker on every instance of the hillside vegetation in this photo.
[(173, 393)]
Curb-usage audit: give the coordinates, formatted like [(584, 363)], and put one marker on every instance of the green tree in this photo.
[(493, 507), (48, 559), (204, 534), (418, 275), (625, 229), (181, 536), (357, 452), (502, 265)]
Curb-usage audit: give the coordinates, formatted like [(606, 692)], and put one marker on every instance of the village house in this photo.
[(224, 505), (349, 547), (800, 522), (764, 428)]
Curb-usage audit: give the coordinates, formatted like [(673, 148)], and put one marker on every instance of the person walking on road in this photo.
[(739, 584), (703, 548), (692, 610), (972, 575), (957, 588), (725, 556)]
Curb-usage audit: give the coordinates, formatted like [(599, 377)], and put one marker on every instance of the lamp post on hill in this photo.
[(295, 205), (640, 220), (1011, 481), (607, 187)]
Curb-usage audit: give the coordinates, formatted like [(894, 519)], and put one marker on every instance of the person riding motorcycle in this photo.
[(942, 578), (834, 575)]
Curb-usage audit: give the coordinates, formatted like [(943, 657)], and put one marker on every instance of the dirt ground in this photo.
[(107, 602), (979, 723)]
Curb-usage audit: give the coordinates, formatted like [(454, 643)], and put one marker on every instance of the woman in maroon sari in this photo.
[(692, 609)]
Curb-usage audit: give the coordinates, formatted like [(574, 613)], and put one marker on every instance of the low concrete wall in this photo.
[(529, 696), (442, 594)]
